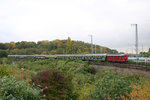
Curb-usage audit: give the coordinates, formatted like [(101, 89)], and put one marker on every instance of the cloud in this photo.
[(108, 20)]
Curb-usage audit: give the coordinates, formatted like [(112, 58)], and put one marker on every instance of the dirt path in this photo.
[(122, 70)]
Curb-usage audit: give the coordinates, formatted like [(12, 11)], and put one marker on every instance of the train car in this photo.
[(65, 56), (139, 59), (83, 56), (117, 58)]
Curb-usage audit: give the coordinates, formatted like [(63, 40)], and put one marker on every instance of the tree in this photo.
[(24, 44), (69, 46), (53, 47), (59, 48), (45, 44), (12, 45), (3, 53), (3, 46)]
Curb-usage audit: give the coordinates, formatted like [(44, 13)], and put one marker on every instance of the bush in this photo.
[(91, 69), (9, 60), (111, 86), (17, 90), (140, 92), (6, 71), (54, 84)]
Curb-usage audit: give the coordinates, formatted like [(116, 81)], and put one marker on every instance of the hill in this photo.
[(52, 47)]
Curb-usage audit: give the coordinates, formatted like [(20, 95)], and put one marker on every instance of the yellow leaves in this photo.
[(13, 44), (14, 71), (140, 92), (69, 47), (44, 53), (7, 71)]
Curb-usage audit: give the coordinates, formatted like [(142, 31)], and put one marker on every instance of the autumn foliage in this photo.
[(140, 92), (54, 84)]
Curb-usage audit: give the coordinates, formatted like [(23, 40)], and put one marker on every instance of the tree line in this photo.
[(50, 47), (145, 54)]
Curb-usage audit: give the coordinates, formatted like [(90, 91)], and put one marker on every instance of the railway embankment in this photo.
[(130, 69), (145, 67)]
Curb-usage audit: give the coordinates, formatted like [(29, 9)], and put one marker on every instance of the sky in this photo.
[(109, 21)]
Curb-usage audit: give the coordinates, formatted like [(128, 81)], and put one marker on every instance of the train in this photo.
[(140, 59), (101, 57)]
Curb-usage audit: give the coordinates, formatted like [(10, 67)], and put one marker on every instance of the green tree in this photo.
[(3, 53), (3, 46), (25, 44), (69, 46)]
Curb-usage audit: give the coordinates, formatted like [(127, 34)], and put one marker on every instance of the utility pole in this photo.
[(136, 40), (132, 51), (95, 48), (142, 50), (91, 44)]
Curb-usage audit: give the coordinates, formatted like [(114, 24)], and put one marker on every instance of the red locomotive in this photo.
[(117, 57)]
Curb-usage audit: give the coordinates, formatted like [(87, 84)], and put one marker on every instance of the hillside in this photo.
[(52, 47)]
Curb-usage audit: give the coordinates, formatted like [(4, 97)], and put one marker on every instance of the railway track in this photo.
[(122, 65)]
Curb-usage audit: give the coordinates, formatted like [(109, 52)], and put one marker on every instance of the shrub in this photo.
[(91, 69), (9, 60), (54, 84), (140, 92), (111, 86), (6, 71), (17, 90), (135, 78)]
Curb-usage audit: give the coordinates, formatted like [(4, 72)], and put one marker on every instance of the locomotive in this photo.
[(117, 57), (102, 57)]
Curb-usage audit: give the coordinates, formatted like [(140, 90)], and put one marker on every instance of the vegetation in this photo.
[(66, 80), (145, 54), (3, 53), (140, 92), (54, 84), (111, 86), (69, 46), (11, 89), (6, 71), (50, 47)]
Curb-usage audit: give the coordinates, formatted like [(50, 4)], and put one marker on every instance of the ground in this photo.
[(122, 70)]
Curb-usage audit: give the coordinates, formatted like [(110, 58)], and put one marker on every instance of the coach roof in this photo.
[(116, 54)]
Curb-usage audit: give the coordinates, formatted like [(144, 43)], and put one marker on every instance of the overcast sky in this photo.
[(109, 21)]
